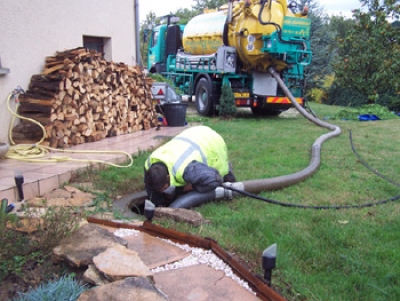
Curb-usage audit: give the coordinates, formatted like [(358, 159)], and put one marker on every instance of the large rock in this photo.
[(118, 262), (50, 202), (69, 196), (25, 224), (93, 276), (87, 242), (137, 288), (181, 215)]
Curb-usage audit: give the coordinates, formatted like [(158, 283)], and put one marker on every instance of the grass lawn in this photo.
[(348, 254)]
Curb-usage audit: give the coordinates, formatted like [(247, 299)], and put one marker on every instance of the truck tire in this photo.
[(204, 102)]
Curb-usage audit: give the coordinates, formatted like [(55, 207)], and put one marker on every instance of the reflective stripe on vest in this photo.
[(193, 147)]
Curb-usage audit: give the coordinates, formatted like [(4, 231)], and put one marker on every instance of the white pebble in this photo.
[(121, 232)]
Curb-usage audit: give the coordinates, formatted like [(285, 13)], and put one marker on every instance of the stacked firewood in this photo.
[(80, 97)]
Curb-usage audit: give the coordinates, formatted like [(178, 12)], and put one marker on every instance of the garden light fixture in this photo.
[(19, 180), (149, 208), (268, 262)]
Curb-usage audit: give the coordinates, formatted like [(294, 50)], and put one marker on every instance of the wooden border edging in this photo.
[(263, 291)]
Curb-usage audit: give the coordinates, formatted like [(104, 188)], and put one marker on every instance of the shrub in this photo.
[(320, 94), (352, 98), (374, 109), (226, 107), (63, 289), (317, 95), (19, 249)]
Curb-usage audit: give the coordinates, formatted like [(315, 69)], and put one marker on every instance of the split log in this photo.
[(80, 97)]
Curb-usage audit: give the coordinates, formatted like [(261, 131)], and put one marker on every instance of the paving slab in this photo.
[(154, 251), (118, 263), (133, 288), (200, 283)]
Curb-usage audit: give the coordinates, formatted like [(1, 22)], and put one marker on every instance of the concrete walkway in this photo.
[(40, 178)]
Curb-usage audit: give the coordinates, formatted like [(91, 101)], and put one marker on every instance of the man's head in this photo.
[(156, 178)]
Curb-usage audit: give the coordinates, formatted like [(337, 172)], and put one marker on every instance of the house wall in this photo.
[(30, 30)]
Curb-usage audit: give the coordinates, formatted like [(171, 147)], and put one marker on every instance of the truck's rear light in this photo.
[(243, 102)]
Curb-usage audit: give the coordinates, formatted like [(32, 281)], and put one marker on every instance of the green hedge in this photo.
[(345, 97), (389, 99), (352, 98)]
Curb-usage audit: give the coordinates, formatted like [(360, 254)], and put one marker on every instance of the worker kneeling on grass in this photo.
[(196, 159)]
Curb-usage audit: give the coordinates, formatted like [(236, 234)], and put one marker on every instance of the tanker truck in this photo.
[(236, 44)]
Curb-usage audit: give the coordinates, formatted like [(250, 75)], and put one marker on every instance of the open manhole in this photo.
[(131, 205), (137, 206)]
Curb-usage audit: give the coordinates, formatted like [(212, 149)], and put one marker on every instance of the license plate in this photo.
[(241, 95)]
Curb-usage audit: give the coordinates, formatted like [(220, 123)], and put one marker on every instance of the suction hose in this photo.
[(193, 199), (256, 186)]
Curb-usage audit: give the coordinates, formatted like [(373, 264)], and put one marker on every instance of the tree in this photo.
[(151, 21), (210, 4), (184, 15), (321, 43), (369, 60), (339, 26), (322, 69)]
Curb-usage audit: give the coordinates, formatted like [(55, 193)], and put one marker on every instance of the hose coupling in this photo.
[(221, 193), (230, 187)]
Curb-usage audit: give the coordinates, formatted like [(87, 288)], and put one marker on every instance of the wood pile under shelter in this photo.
[(80, 97)]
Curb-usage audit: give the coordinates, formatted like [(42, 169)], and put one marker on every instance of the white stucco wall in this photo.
[(30, 30)]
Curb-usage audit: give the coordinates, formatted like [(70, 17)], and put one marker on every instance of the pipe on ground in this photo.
[(193, 199), (256, 186)]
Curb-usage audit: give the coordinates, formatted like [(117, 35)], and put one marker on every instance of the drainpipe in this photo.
[(137, 32)]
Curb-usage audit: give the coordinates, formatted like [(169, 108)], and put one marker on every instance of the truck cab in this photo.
[(158, 46)]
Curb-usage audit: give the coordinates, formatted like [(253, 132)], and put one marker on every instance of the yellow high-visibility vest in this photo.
[(199, 143)]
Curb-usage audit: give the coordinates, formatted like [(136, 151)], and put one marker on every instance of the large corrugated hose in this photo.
[(258, 185), (193, 199), (255, 186)]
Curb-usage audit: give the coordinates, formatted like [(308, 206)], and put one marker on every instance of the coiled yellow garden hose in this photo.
[(37, 152)]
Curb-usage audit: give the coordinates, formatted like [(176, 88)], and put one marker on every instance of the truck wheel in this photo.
[(204, 102)]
